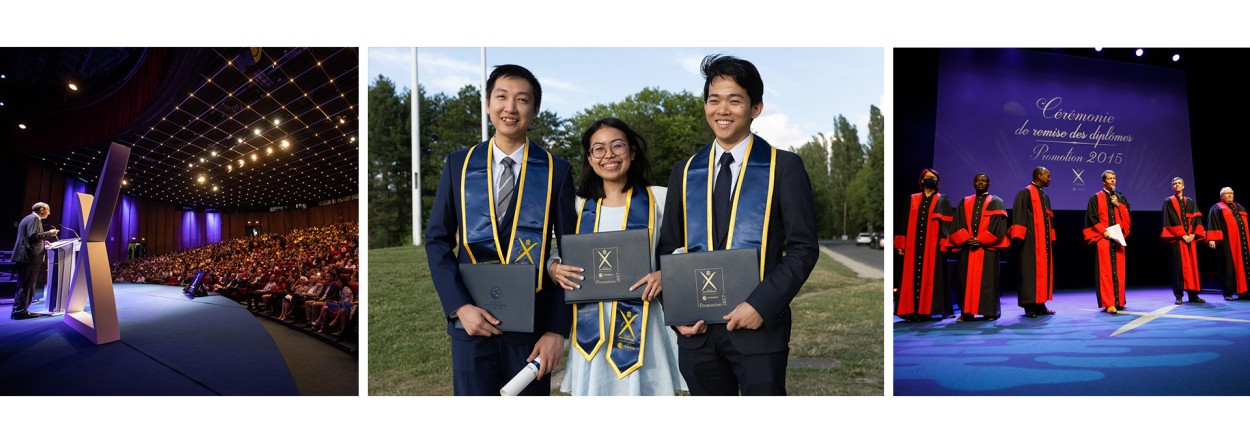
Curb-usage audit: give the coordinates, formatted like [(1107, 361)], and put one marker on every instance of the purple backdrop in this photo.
[(1005, 111), (195, 228)]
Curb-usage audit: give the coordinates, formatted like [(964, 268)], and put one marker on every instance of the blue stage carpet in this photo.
[(169, 346), (1158, 348)]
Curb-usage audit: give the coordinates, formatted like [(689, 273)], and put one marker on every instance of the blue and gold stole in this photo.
[(629, 318), (752, 200), (529, 223)]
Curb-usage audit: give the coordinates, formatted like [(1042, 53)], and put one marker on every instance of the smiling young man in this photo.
[(766, 206), (500, 202)]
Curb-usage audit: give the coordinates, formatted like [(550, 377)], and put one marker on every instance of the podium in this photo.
[(61, 260)]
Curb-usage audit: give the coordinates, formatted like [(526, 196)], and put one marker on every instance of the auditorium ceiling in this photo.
[(211, 128)]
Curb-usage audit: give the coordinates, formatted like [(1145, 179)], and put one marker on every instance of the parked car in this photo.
[(864, 239), (878, 241)]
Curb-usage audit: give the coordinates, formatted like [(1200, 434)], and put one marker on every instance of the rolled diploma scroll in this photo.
[(521, 380)]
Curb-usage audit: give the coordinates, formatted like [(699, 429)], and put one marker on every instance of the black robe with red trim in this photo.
[(983, 217), (1180, 218), (1226, 226), (1101, 214), (1032, 223), (923, 289)]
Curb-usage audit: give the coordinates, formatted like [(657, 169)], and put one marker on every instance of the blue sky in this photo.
[(804, 88)]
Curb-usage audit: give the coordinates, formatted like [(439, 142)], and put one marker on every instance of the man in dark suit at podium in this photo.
[(29, 254), (747, 355)]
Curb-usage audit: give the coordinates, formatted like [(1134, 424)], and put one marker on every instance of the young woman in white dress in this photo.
[(615, 176)]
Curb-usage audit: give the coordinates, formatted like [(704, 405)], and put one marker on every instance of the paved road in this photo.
[(873, 258)]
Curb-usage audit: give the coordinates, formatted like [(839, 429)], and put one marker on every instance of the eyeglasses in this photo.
[(599, 150)]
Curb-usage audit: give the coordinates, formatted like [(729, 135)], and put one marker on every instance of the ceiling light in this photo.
[(1098, 49), (229, 168), (286, 144), (342, 121), (200, 179), (201, 159), (213, 153), (214, 188), (253, 156), (240, 163), (21, 125), (124, 182), (73, 87), (269, 150), (276, 121), (353, 140), (240, 140), (1140, 52), (1175, 58)]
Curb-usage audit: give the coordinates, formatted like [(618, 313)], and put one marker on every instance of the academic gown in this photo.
[(1032, 224), (1101, 214), (923, 290), (983, 217), (1226, 226), (1180, 218)]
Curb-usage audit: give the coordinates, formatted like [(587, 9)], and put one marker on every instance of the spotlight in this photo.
[(21, 126), (276, 121), (253, 156), (269, 150), (124, 182), (240, 140), (73, 87), (201, 159), (1176, 57), (342, 121), (200, 179), (286, 144), (1140, 52), (214, 188), (1097, 49), (353, 140), (257, 130), (213, 153)]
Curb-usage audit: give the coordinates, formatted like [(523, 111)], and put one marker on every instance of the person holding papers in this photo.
[(1106, 226), (500, 202), (618, 347), (738, 192)]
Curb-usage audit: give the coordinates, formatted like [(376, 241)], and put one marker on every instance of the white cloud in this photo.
[(440, 73), (551, 83), (777, 128)]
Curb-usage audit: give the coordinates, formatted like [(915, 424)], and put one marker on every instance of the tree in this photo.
[(846, 158), (672, 123), (815, 155), (390, 164), (868, 186)]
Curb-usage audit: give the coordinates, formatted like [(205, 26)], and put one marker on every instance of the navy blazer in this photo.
[(791, 230), (551, 314), (30, 238)]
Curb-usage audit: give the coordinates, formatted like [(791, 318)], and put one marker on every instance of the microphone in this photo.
[(66, 228)]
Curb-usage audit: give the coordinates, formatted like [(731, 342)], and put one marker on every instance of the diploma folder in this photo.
[(613, 262), (506, 291), (707, 285)]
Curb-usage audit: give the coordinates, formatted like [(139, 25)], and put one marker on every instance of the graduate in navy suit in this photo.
[(500, 202), (761, 199)]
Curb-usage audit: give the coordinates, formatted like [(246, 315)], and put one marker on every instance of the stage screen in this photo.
[(1005, 111)]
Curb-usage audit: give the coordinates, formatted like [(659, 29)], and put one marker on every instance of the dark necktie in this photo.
[(722, 196)]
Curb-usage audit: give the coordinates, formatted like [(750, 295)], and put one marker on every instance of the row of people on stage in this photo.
[(308, 276), (502, 200), (978, 228)]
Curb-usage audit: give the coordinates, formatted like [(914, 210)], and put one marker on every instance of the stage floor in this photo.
[(1153, 347), (169, 346)]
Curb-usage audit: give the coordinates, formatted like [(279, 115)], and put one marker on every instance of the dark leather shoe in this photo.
[(1228, 298), (1046, 312), (1031, 315), (22, 315), (1196, 299), (1178, 301)]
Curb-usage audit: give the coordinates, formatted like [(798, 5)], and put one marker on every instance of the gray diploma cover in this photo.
[(707, 285), (506, 291), (613, 262)]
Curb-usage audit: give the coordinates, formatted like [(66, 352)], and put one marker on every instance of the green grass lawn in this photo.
[(836, 316)]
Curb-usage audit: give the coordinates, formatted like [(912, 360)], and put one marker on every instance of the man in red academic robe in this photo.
[(1032, 225), (1226, 227), (1107, 210), (980, 232), (923, 290), (1183, 231)]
